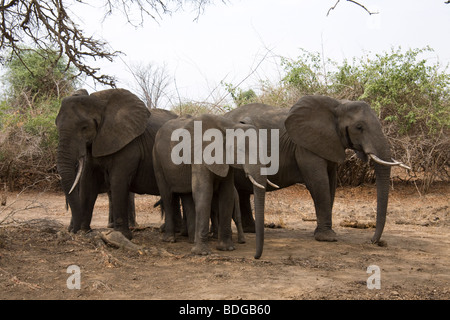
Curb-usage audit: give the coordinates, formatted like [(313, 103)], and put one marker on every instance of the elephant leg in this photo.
[(317, 180), (189, 215), (110, 215), (88, 203), (89, 190), (202, 194), (119, 195), (237, 218), (248, 222), (332, 177), (131, 211), (172, 216), (215, 218), (226, 192)]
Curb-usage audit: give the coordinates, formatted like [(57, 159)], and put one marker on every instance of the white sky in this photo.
[(229, 40)]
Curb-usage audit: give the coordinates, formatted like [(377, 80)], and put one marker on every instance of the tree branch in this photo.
[(354, 2), (47, 25)]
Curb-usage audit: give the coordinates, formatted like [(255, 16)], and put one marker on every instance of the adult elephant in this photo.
[(313, 137), (105, 144), (199, 172)]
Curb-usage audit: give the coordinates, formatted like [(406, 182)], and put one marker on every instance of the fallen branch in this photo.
[(118, 240), (356, 224), (16, 280)]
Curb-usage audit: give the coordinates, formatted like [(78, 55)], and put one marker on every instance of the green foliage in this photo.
[(307, 74), (401, 87), (409, 90), (240, 97), (27, 118), (33, 73)]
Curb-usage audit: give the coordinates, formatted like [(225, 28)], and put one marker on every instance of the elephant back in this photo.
[(263, 116)]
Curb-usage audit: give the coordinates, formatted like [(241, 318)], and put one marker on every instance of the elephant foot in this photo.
[(241, 238), (214, 235), (126, 233), (133, 224), (201, 249), (168, 238), (325, 235), (249, 228), (225, 246)]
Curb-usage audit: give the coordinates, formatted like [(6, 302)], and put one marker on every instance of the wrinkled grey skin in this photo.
[(314, 134), (182, 224), (113, 132), (236, 218), (199, 184)]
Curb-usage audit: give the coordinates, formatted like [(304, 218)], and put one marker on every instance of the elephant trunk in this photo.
[(382, 178), (66, 163), (382, 174), (259, 199)]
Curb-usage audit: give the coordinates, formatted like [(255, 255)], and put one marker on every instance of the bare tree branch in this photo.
[(354, 2), (48, 25), (152, 82)]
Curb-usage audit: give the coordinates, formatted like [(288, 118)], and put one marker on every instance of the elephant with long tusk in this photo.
[(105, 145), (313, 136)]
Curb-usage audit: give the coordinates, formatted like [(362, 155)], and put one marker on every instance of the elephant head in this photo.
[(327, 127), (97, 125)]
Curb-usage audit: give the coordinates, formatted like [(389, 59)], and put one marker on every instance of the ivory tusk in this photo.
[(387, 163), (256, 183), (80, 170), (272, 184), (404, 166)]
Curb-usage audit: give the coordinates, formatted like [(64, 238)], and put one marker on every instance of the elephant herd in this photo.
[(109, 141)]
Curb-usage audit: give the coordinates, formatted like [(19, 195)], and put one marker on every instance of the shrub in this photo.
[(28, 135), (410, 94)]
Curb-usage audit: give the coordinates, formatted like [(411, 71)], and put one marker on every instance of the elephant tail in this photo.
[(159, 203)]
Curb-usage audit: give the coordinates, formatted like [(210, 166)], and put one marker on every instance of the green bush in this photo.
[(410, 94), (28, 135)]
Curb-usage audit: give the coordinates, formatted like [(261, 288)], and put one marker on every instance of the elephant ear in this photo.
[(211, 121), (312, 124), (218, 169), (124, 118)]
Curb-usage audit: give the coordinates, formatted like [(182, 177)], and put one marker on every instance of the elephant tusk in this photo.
[(256, 183), (402, 165), (387, 163), (272, 184), (80, 170)]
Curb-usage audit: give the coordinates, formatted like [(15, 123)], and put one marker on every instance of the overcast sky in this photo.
[(229, 40)]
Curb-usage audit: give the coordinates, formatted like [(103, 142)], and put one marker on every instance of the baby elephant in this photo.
[(196, 156)]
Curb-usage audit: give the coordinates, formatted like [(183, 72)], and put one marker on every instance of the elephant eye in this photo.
[(360, 127)]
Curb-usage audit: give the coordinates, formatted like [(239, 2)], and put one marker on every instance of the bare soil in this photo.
[(36, 250)]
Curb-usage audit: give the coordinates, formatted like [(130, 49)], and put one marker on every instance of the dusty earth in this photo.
[(36, 251)]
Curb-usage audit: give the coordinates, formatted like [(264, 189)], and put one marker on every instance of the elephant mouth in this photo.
[(364, 155)]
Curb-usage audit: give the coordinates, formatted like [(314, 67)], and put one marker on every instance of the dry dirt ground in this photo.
[(36, 251)]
